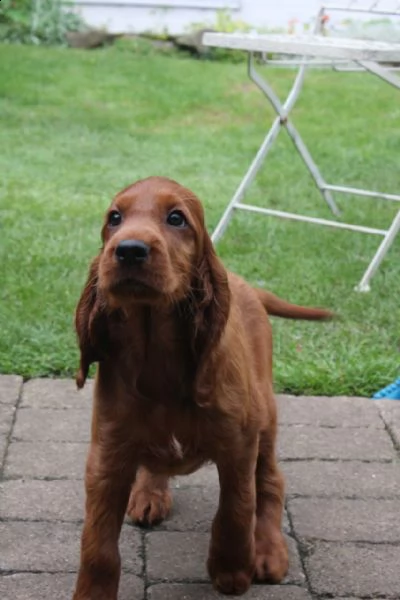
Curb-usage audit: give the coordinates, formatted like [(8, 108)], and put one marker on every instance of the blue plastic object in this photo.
[(391, 391)]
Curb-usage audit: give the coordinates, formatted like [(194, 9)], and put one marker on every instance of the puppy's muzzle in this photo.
[(132, 252)]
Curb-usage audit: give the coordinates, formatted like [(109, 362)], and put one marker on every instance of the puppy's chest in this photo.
[(172, 438), (164, 372)]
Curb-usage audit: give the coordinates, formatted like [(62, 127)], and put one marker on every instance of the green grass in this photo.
[(77, 126)]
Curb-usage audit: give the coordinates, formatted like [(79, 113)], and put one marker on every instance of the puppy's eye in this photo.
[(114, 218), (176, 219)]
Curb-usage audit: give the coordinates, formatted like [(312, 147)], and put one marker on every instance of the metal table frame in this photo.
[(366, 55)]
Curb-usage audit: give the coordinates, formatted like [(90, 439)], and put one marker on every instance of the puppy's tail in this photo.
[(280, 308)]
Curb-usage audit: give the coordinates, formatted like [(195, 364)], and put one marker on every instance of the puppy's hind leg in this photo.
[(150, 500)]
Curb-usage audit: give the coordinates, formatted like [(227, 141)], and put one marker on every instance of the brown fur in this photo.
[(184, 377)]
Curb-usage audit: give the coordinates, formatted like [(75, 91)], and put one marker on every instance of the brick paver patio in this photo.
[(341, 461)]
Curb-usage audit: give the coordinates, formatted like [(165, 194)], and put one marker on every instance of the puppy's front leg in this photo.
[(107, 493), (231, 562)]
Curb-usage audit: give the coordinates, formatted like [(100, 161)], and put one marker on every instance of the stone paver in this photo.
[(46, 546), (54, 547), (390, 413), (177, 556), (59, 586), (199, 591), (328, 412), (46, 459), (205, 476), (24, 586), (43, 425), (346, 479), (309, 442), (340, 457), (10, 388), (3, 447), (56, 394), (7, 412), (370, 570), (193, 509), (38, 500), (360, 520)]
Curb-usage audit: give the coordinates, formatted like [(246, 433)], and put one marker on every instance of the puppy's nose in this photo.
[(132, 252)]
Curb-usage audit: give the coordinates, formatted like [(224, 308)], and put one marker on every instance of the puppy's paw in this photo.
[(272, 561), (235, 583), (232, 572), (149, 507)]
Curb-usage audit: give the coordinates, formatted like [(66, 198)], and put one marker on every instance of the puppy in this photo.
[(184, 377)]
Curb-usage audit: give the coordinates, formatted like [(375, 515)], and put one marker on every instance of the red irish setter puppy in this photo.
[(184, 377)]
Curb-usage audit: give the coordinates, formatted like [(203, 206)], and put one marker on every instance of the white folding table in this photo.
[(372, 56)]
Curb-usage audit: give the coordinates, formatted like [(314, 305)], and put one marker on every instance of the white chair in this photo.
[(305, 50)]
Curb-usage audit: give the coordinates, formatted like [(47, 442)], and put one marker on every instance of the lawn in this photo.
[(77, 126)]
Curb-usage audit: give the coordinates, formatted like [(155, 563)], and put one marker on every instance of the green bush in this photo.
[(225, 23), (36, 21), (146, 46)]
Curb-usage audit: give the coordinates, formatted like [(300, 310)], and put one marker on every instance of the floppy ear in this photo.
[(210, 310), (90, 325)]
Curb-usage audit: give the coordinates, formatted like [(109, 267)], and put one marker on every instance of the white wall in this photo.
[(175, 16)]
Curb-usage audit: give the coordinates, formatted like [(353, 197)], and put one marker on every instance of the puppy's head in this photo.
[(152, 235), (156, 251)]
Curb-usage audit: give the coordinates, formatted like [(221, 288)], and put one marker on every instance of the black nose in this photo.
[(132, 252)]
